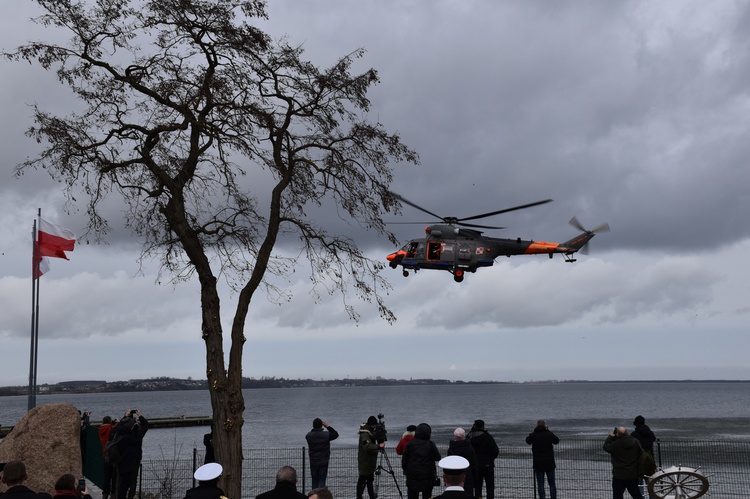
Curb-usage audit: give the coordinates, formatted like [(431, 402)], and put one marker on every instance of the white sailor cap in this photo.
[(208, 472), (454, 465)]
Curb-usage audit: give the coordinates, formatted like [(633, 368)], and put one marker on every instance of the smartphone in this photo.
[(81, 484), (615, 431)]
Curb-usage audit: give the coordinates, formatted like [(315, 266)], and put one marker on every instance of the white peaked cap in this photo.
[(453, 465), (208, 472)]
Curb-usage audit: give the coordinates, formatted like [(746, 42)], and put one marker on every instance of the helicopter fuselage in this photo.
[(460, 250)]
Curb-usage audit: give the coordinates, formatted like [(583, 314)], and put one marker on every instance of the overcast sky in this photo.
[(632, 113)]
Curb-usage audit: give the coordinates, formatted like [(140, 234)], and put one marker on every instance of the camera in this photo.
[(132, 413), (379, 432)]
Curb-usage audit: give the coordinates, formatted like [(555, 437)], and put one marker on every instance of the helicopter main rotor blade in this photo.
[(479, 226), (406, 201), (521, 207)]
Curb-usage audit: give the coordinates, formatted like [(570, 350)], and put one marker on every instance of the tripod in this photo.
[(388, 469)]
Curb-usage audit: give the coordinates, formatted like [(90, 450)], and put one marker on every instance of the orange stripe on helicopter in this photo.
[(541, 247)]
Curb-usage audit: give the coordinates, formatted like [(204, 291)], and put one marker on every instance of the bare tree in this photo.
[(219, 140)]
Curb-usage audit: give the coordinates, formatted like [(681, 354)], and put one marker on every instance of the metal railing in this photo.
[(583, 470)]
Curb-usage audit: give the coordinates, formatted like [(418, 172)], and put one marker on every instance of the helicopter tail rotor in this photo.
[(584, 248)]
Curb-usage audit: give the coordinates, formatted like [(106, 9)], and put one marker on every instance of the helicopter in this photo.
[(457, 247)]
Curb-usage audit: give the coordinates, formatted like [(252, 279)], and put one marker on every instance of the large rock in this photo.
[(48, 440)]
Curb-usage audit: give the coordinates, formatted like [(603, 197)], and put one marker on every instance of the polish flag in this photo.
[(52, 241)]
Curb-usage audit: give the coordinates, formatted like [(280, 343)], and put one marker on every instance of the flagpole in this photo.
[(36, 315), (34, 283)]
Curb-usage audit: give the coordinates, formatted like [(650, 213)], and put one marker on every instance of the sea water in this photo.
[(280, 418)]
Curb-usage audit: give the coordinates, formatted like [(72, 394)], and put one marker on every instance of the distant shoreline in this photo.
[(176, 384)]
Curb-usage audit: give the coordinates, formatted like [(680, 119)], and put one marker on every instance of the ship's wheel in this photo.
[(678, 482)]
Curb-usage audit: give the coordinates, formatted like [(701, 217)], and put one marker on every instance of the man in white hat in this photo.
[(454, 475), (208, 478)]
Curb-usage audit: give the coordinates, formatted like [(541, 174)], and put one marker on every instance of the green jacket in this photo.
[(367, 457), (625, 452)]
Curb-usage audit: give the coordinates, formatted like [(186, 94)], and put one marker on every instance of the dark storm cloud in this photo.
[(633, 113)]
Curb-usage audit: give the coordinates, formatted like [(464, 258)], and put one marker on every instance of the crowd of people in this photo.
[(471, 459), (467, 470)]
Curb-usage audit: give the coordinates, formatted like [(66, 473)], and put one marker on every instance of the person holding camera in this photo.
[(319, 450), (624, 451), (130, 430), (65, 488), (367, 457), (542, 442), (418, 463)]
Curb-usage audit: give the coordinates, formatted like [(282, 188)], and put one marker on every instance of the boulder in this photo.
[(48, 440)]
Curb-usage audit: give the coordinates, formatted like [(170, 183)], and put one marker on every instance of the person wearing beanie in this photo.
[(459, 446), (319, 449), (542, 442), (408, 435), (367, 458), (487, 451), (643, 434)]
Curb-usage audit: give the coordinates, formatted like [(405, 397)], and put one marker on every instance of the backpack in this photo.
[(112, 452), (646, 463)]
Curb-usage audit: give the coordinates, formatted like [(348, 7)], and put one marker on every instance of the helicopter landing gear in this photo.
[(458, 275), (405, 273)]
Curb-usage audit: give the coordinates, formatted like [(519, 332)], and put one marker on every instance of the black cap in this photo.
[(317, 423), (372, 421), (478, 424), (411, 427)]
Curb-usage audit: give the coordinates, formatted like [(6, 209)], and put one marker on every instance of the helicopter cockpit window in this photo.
[(411, 249)]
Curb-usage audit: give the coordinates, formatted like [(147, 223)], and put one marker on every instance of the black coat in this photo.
[(645, 436), (542, 442), (131, 444), (464, 449), (205, 491), (23, 492), (319, 445), (418, 461), (454, 494), (485, 447), (282, 491)]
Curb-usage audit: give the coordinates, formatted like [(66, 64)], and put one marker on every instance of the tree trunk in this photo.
[(227, 402)]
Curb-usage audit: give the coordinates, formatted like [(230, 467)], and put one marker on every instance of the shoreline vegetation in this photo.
[(176, 384)]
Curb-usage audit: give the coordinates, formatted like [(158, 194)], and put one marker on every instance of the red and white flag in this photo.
[(52, 241)]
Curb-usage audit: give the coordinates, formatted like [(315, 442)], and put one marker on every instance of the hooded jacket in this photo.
[(418, 461), (367, 455)]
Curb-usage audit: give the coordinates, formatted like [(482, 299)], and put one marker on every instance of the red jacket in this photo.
[(402, 444), (104, 431)]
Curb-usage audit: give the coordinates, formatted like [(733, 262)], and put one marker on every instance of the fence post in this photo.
[(658, 450), (304, 469), (195, 464)]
